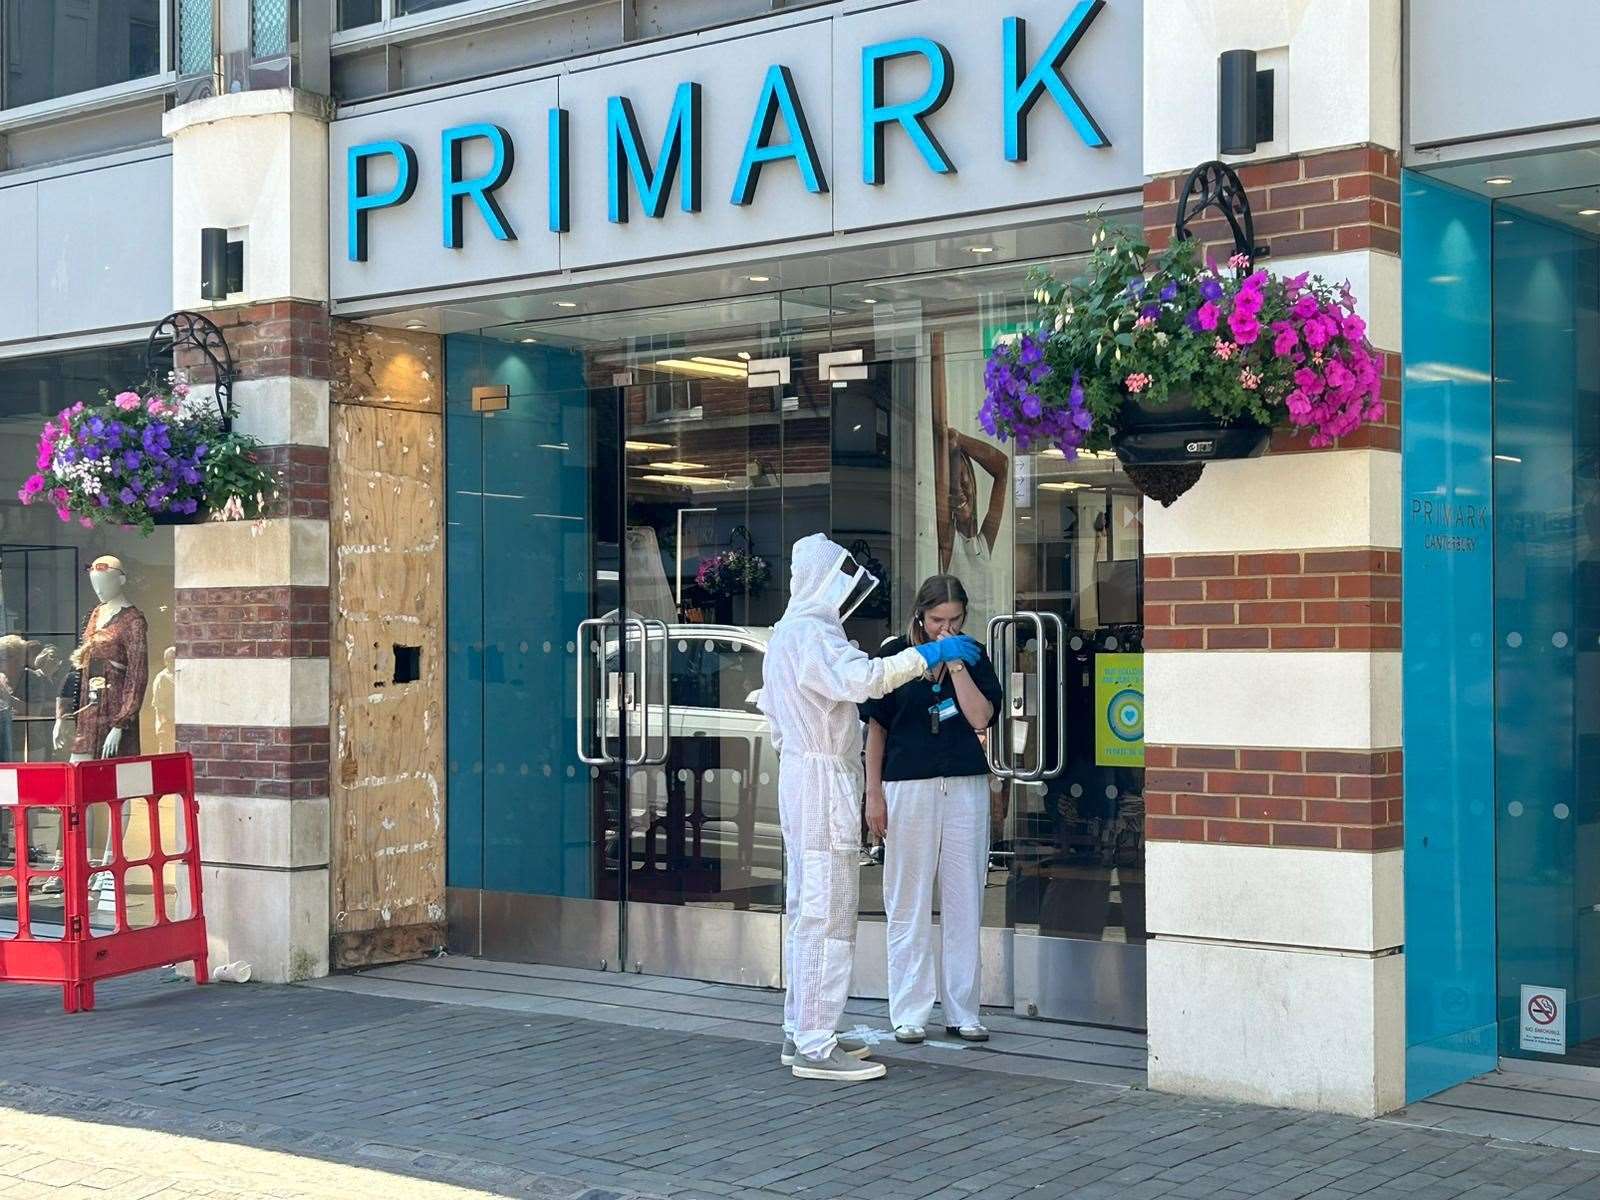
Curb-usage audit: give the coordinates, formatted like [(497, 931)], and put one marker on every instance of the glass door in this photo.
[(1069, 744), (705, 568), (549, 677)]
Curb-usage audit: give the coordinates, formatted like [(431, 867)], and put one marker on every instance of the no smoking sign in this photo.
[(1544, 1019)]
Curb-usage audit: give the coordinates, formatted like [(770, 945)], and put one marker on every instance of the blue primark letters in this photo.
[(626, 153), (904, 84)]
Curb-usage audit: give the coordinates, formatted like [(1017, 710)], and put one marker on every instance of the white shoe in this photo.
[(838, 1066), (853, 1047), (968, 1033), (911, 1035)]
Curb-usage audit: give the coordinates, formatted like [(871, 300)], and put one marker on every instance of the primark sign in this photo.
[(861, 116)]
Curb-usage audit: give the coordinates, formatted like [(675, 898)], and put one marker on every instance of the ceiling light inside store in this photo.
[(1498, 180), (648, 447), (712, 370), (415, 325), (1094, 455), (868, 300), (759, 278), (1062, 485), (566, 304), (529, 341), (717, 362), (840, 383), (1510, 458), (677, 466), (691, 480), (980, 249), (1589, 212)]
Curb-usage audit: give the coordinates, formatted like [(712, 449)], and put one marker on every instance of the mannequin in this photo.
[(162, 700), (113, 665)]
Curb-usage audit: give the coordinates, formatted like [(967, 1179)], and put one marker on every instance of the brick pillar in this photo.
[(1272, 617), (252, 606)]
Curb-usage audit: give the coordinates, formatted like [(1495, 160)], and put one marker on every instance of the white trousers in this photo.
[(936, 827), (819, 806)]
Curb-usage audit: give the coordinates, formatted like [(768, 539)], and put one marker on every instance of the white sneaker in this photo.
[(911, 1035), (854, 1047), (838, 1066), (968, 1033)]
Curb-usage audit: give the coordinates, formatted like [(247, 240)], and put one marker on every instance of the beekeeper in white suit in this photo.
[(813, 679)]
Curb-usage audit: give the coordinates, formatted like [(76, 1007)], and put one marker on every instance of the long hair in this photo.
[(935, 590)]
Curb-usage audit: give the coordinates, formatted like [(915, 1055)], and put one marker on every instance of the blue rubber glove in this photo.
[(959, 648), (930, 652)]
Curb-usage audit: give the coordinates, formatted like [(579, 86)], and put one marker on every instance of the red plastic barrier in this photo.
[(88, 940)]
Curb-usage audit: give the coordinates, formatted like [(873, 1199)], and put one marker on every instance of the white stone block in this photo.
[(283, 410), (283, 550), (264, 831), (1374, 278), (255, 164), (277, 921), (251, 691), (1293, 700), (1342, 77), (1293, 1028), (1341, 900), (1329, 500)]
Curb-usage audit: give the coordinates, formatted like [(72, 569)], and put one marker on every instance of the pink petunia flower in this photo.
[(127, 401), (1137, 382), (1206, 315)]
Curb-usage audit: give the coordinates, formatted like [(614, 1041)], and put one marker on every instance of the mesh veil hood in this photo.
[(811, 570)]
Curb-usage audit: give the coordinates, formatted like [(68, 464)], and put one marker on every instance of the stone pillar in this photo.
[(252, 607), (1272, 613)]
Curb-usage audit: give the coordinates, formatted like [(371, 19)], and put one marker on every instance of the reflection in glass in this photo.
[(1546, 290), (45, 595), (58, 49)]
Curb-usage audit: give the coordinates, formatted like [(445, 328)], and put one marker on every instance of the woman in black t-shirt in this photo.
[(928, 799)]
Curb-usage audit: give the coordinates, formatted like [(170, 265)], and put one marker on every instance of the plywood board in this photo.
[(387, 466)]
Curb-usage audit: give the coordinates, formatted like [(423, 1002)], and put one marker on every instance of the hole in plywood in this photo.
[(407, 664)]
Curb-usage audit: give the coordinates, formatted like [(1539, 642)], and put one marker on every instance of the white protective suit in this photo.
[(813, 679)]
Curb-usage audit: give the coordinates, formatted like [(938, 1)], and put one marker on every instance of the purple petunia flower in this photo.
[(1210, 289), (1170, 292)]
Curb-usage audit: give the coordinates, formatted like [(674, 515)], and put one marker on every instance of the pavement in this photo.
[(172, 1090)]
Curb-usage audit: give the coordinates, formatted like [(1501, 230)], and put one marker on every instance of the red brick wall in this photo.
[(302, 473), (1328, 799), (285, 337), (1316, 204), (252, 760), (1289, 600), (252, 622)]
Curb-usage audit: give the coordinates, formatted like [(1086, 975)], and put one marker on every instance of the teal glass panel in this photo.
[(1547, 624), (196, 37), (1448, 662), (269, 28), (521, 554), (463, 445)]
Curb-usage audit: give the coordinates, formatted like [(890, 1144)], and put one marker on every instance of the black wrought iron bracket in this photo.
[(192, 329), (1216, 185)]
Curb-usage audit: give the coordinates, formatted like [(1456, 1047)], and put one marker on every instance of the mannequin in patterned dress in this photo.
[(114, 667), (113, 670)]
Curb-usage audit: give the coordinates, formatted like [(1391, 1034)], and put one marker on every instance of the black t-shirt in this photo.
[(913, 749)]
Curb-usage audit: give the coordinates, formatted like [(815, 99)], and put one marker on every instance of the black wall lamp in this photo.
[(221, 265), (1244, 103)]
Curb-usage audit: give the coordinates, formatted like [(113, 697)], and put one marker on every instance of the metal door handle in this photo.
[(592, 658), (998, 749), (648, 628)]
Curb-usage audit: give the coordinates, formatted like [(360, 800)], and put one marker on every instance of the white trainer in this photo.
[(838, 1066)]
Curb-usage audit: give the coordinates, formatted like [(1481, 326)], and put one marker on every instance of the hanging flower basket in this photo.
[(733, 573), (145, 458), (1172, 364)]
